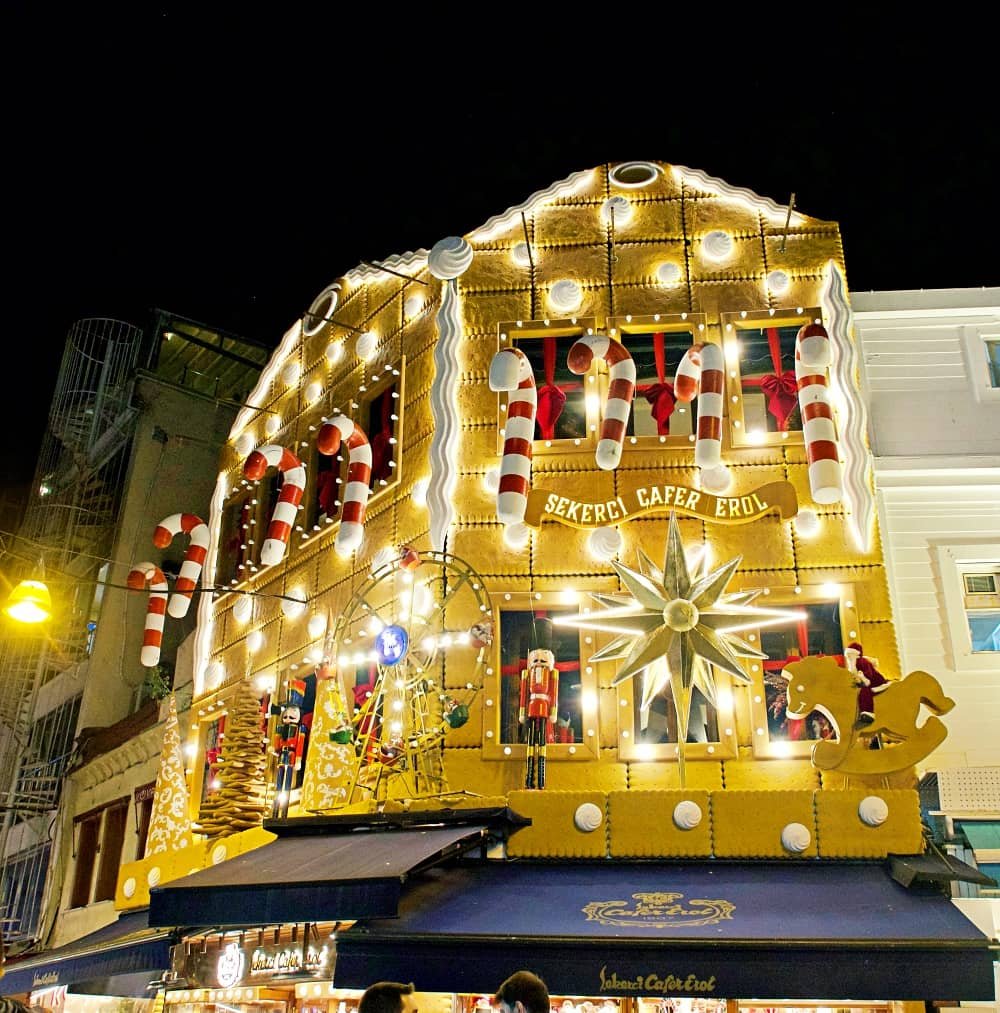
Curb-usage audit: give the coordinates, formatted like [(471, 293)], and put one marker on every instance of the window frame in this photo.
[(745, 320), (510, 333), (975, 341), (619, 329), (589, 746), (954, 559), (95, 860), (787, 596)]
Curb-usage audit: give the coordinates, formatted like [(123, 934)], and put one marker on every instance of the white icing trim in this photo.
[(564, 188), (712, 184)]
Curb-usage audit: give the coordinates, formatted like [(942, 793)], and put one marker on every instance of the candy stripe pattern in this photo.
[(334, 432), (812, 357), (701, 372), (292, 487), (152, 637), (187, 580), (621, 370), (510, 371)]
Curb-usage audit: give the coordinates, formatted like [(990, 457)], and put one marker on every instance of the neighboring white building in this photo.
[(931, 373)]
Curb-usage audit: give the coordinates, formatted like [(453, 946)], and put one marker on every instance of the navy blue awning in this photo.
[(121, 957), (728, 930), (309, 877)]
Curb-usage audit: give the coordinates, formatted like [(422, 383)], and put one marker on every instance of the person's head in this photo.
[(522, 992), (388, 997)]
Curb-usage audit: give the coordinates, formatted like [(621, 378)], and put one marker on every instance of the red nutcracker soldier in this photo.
[(289, 742), (539, 700), (869, 681)]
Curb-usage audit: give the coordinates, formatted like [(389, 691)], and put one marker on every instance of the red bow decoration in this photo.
[(550, 398), (782, 395), (662, 400)]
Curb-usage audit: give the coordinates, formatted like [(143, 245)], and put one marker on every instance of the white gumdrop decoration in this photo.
[(668, 273), (565, 296), (717, 245)]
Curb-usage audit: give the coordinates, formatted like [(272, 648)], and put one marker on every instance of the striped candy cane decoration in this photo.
[(701, 372), (187, 580), (510, 371), (292, 487), (812, 357), (334, 432), (620, 391), (152, 638)]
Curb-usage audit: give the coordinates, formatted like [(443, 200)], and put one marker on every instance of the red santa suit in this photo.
[(868, 679)]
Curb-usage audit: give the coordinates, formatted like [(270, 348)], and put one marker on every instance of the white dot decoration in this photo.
[(129, 886), (244, 444), (290, 374), (243, 608), (296, 606), (620, 207), (334, 352), (515, 536), (153, 876), (873, 811), (588, 817), (272, 425), (219, 854), (807, 523), (317, 625), (313, 390), (668, 273), (605, 543), (716, 480), (412, 305), (383, 557), (367, 343), (521, 255), (419, 495), (717, 245), (565, 296), (255, 640), (795, 838), (778, 282), (687, 815)]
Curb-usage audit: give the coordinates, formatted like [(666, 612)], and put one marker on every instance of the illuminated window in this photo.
[(982, 608), (763, 401), (236, 538), (574, 731), (213, 732), (827, 623)]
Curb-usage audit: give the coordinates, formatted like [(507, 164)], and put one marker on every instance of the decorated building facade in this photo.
[(572, 519)]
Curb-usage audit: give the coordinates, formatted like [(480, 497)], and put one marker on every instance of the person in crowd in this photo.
[(522, 992), (388, 997)]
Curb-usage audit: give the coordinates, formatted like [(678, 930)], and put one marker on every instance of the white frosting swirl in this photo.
[(873, 811), (243, 608), (521, 255), (491, 481), (717, 479), (795, 838), (272, 425), (296, 608), (334, 352), (367, 343), (605, 543), (412, 305), (449, 258), (290, 374), (313, 391), (516, 536), (565, 296), (668, 273), (622, 211), (244, 444), (219, 854), (717, 245), (807, 523), (687, 815), (128, 887), (214, 673), (153, 876), (383, 557), (588, 817), (778, 282)]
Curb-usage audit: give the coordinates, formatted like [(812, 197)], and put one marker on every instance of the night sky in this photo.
[(226, 169)]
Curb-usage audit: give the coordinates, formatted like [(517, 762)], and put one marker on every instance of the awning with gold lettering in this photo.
[(710, 929)]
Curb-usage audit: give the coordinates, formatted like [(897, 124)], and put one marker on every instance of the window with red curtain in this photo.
[(655, 411), (562, 413), (767, 377)]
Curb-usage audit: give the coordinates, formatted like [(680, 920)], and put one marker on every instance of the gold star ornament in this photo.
[(682, 616)]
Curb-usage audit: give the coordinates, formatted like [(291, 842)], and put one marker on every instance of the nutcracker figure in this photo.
[(289, 746), (869, 681), (539, 700)]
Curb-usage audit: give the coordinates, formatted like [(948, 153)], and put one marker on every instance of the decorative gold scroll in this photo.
[(546, 505)]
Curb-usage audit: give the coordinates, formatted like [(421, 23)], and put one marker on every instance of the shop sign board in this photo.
[(235, 965)]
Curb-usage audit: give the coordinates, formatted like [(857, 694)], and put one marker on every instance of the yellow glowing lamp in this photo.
[(29, 602)]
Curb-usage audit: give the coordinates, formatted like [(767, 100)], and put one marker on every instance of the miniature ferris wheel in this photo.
[(410, 649)]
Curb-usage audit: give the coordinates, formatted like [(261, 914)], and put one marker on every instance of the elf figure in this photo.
[(869, 681), (289, 746), (539, 700)]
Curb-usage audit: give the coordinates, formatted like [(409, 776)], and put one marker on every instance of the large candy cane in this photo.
[(334, 432), (294, 475), (701, 372), (194, 558), (616, 411), (152, 638), (812, 357), (511, 371)]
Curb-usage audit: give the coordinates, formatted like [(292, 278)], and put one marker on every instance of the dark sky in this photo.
[(227, 169)]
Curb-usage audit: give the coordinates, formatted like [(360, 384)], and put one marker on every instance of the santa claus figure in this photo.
[(869, 681)]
